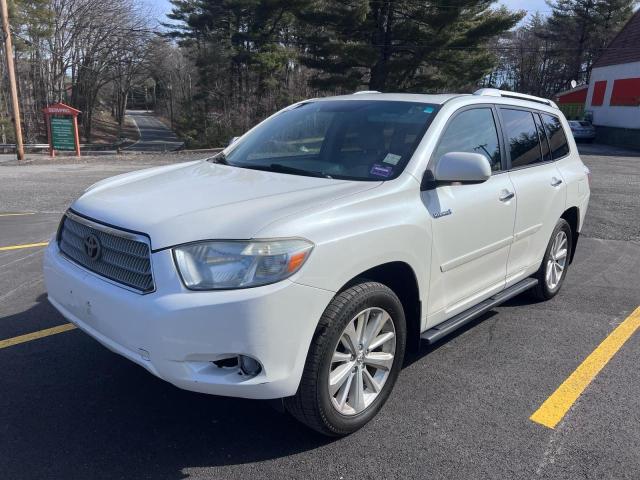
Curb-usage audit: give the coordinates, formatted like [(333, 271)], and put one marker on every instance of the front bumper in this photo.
[(176, 334)]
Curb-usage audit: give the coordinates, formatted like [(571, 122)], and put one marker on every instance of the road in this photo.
[(70, 409), (154, 135)]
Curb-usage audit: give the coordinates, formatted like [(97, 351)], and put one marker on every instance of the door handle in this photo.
[(555, 182), (506, 195)]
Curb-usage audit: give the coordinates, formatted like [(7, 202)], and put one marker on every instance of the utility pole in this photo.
[(11, 73), (170, 88)]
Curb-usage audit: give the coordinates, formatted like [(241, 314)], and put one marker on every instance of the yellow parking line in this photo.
[(556, 406), (16, 214), (9, 342), (26, 245)]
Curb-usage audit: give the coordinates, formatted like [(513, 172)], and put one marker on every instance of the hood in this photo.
[(200, 200)]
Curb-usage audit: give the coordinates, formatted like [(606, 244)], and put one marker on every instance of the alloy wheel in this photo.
[(557, 260), (362, 361)]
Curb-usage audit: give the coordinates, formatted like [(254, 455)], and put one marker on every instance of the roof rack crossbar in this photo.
[(494, 92)]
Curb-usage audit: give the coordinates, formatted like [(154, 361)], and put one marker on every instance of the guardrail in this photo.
[(103, 147), (37, 147)]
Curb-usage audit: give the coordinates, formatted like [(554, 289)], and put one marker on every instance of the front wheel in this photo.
[(555, 263), (353, 362)]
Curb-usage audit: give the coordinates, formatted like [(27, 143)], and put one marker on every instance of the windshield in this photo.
[(345, 139)]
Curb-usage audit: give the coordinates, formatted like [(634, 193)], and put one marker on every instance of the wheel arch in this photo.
[(572, 217), (401, 278)]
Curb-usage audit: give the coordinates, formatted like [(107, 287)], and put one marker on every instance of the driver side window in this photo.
[(472, 131), (300, 139)]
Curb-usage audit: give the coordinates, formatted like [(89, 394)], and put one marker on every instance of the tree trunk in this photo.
[(382, 40)]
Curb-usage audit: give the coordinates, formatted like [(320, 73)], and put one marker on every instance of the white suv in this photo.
[(301, 261)]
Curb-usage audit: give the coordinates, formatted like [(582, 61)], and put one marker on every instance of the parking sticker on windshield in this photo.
[(392, 158), (381, 170)]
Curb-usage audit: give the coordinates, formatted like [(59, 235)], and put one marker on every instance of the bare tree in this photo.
[(73, 50)]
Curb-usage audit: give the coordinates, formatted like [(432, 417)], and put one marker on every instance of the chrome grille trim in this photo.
[(126, 257)]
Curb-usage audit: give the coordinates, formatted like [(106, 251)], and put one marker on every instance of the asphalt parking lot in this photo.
[(70, 409)]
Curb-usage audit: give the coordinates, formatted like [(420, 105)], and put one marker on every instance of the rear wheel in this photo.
[(353, 362), (555, 263)]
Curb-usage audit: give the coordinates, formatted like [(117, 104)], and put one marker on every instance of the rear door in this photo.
[(539, 187)]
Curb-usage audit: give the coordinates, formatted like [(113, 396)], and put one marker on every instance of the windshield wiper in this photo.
[(279, 168), (220, 158)]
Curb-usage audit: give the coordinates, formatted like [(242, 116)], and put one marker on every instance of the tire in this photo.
[(548, 286), (337, 414)]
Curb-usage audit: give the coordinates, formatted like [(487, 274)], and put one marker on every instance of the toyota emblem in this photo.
[(92, 247)]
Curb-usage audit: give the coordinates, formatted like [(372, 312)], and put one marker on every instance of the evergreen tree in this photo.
[(243, 41), (408, 45), (245, 52), (581, 29)]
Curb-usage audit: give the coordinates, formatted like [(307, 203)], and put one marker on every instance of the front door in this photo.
[(472, 224)]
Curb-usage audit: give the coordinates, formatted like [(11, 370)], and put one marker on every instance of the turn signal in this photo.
[(296, 261)]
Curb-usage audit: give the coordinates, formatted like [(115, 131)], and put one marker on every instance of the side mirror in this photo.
[(463, 167)]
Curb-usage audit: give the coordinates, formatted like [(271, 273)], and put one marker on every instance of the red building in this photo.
[(613, 98), (572, 102)]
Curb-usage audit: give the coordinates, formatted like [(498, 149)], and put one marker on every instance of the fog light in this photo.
[(249, 366), (229, 362)]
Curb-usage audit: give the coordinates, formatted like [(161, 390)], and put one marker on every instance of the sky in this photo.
[(530, 5), (162, 7)]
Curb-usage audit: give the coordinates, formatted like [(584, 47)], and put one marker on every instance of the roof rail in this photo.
[(362, 92), (494, 92)]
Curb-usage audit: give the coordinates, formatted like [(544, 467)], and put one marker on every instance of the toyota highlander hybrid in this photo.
[(304, 259)]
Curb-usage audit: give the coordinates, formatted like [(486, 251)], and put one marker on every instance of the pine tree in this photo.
[(402, 45), (581, 30), (236, 38)]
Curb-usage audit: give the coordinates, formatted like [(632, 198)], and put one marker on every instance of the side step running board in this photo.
[(445, 328)]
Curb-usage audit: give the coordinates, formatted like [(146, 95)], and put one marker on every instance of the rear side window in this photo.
[(472, 131), (522, 137), (546, 152), (556, 135)]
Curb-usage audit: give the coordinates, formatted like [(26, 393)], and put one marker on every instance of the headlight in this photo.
[(239, 264)]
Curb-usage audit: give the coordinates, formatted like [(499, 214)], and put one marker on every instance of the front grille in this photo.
[(108, 252)]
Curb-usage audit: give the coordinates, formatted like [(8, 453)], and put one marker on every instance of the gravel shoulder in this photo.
[(49, 186)]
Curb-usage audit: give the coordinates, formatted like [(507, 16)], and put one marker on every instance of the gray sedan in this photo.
[(582, 130)]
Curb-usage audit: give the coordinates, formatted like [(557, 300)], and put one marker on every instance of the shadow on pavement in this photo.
[(72, 409), (606, 150)]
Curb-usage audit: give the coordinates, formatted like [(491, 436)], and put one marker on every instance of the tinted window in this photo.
[(352, 139), (557, 138), (472, 131), (522, 137), (546, 153)]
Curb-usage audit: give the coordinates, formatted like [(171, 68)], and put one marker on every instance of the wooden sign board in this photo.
[(62, 128), (62, 133)]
